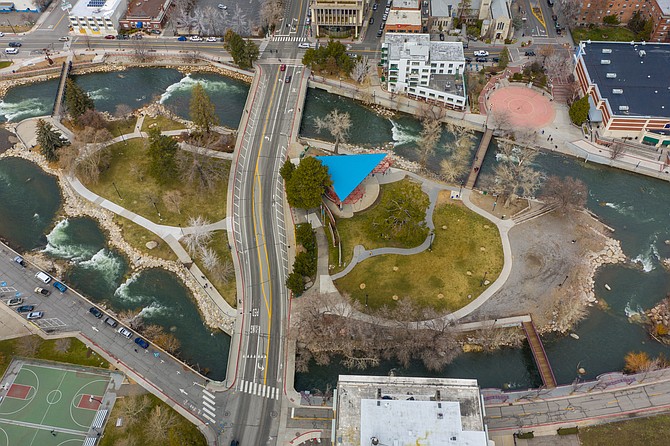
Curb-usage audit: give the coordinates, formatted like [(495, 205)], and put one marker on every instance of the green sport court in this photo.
[(50, 406)]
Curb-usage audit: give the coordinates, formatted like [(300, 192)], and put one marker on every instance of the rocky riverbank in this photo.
[(75, 206)]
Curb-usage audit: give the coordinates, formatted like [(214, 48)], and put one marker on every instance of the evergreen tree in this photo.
[(579, 111), (162, 153), (287, 170), (244, 53), (308, 183), (295, 283), (202, 110), (504, 59), (49, 140), (77, 100)]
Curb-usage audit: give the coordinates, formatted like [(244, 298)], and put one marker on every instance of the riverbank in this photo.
[(75, 206)]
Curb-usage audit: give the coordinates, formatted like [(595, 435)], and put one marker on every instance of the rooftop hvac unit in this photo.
[(607, 50), (617, 91), (623, 108), (605, 62), (611, 75)]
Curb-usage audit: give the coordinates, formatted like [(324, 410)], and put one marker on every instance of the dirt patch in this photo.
[(486, 202)]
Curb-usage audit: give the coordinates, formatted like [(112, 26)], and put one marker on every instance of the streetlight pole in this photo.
[(117, 190), (483, 279), (10, 25)]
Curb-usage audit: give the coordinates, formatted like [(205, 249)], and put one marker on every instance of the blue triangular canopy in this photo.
[(348, 171)]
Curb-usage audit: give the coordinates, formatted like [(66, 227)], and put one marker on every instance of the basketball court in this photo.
[(524, 107), (50, 405)]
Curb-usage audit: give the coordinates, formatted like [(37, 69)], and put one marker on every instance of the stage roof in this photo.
[(348, 171)]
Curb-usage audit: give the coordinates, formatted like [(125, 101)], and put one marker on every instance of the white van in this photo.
[(11, 51), (44, 277)]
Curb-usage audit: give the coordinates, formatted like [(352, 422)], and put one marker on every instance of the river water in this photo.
[(29, 201), (636, 207)]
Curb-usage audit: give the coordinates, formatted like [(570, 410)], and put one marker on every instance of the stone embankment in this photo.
[(74, 206)]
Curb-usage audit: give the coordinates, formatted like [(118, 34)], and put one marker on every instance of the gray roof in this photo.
[(440, 8), (638, 77), (452, 51), (419, 47), (499, 9), (405, 4), (664, 5)]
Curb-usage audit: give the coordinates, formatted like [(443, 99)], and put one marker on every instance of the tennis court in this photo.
[(50, 405)]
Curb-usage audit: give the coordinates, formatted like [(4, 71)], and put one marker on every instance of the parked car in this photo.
[(136, 36), (42, 276), (374, 7), (14, 44), (60, 287), (442, 37), (63, 39), (303, 45), (234, 443), (211, 39), (15, 301), (371, 21), (468, 59), (34, 315), (221, 6), (481, 53), (125, 332), (495, 59), (141, 342), (20, 261), (282, 67), (529, 53), (11, 51), (25, 308), (380, 32), (182, 38), (2, 34), (110, 37), (95, 312), (39, 290), (195, 39), (308, 21), (288, 78), (111, 322), (156, 31), (482, 59)]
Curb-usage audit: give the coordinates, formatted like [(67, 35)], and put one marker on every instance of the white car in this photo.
[(2, 34), (303, 45), (222, 6), (34, 315), (195, 39), (125, 332), (63, 39), (481, 53), (211, 39)]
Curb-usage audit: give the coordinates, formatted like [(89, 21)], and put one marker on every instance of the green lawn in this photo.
[(77, 353), (650, 431), (352, 230), (136, 195), (137, 237), (120, 127), (5, 63), (164, 123), (602, 33), (423, 277), (227, 289)]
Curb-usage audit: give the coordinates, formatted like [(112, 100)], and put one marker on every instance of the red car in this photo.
[(110, 37), (283, 67)]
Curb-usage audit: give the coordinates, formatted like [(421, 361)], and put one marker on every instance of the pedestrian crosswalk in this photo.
[(289, 39), (208, 409), (257, 389)]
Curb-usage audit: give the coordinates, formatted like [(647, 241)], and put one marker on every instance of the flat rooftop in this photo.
[(665, 6), (448, 83), (635, 80), (419, 47), (405, 4), (444, 8), (404, 17), (95, 8), (403, 410), (443, 51)]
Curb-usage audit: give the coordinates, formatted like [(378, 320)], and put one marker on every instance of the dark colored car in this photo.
[(529, 53), (60, 287), (110, 37), (372, 20), (495, 59), (288, 79), (95, 312), (182, 38), (141, 342), (14, 44), (20, 261), (111, 322), (25, 308), (482, 59), (234, 443), (468, 59)]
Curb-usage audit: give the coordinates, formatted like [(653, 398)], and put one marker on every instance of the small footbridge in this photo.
[(64, 74), (479, 159), (539, 354)]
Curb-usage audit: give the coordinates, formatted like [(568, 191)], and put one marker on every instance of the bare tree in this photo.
[(361, 70), (238, 21), (428, 138), (199, 170), (501, 122), (152, 331), (130, 318), (198, 234), (159, 422), (122, 111), (546, 51), (338, 124), (140, 49), (617, 150), (138, 172), (210, 259), (565, 194), (271, 13), (132, 406), (514, 176), (224, 271), (569, 10), (172, 200), (63, 345), (168, 342), (558, 64)]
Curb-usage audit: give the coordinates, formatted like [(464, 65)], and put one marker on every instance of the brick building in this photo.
[(594, 11)]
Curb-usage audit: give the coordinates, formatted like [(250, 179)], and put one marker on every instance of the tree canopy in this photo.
[(287, 170), (308, 182), (49, 140), (579, 111), (244, 52), (162, 153), (202, 109), (566, 194), (77, 101), (338, 124), (403, 216), (331, 59)]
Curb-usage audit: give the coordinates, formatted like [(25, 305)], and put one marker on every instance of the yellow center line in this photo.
[(60, 20), (268, 305)]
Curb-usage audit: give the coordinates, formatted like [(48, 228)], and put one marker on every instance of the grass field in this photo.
[(36, 347), (122, 126), (470, 243), (137, 237), (5, 63), (227, 289), (603, 33), (137, 195), (164, 123), (652, 431), (352, 230)]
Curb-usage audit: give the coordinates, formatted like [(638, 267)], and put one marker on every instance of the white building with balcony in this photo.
[(431, 71)]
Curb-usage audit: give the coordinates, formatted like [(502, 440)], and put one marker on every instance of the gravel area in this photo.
[(546, 266)]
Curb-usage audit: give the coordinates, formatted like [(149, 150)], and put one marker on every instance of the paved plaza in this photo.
[(524, 107)]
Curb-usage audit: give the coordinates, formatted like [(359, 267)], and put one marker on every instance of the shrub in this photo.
[(612, 19), (661, 330), (579, 111)]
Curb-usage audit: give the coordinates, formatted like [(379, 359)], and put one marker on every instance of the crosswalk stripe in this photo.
[(208, 406), (209, 412), (211, 420), (246, 386), (265, 389), (275, 395), (255, 387), (208, 400), (209, 394)]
